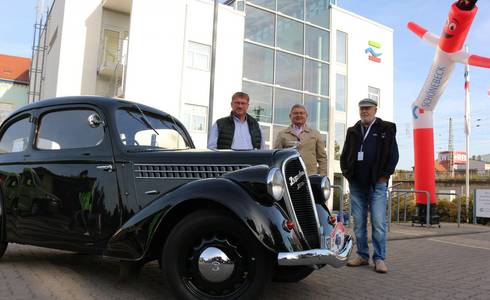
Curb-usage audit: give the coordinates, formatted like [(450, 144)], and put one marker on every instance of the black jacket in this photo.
[(386, 148), (226, 132)]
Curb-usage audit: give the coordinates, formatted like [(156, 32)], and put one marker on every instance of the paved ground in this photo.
[(425, 263)]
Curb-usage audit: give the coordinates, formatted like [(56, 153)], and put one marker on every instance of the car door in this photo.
[(73, 194), (14, 147)]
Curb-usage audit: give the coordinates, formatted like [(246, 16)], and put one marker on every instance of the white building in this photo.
[(281, 53)]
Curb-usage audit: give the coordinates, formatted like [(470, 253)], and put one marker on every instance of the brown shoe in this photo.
[(358, 261), (380, 266)]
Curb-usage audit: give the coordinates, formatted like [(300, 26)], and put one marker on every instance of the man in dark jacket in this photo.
[(368, 159), (238, 131)]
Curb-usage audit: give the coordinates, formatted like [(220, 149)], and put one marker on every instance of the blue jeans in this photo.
[(374, 201)]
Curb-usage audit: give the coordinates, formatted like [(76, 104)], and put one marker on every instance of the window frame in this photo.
[(44, 112), (8, 123)]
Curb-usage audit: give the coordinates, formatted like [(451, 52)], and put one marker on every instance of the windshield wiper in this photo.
[(145, 119)]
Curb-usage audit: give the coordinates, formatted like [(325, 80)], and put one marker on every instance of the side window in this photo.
[(16, 137), (68, 129)]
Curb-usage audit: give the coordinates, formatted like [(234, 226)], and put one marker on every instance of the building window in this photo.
[(341, 92), (339, 139), (198, 56), (260, 101), (316, 77), (259, 26), (293, 8), (289, 70), (317, 43), (341, 47), (290, 35), (317, 12), (285, 99), (195, 117), (317, 112), (374, 94), (257, 63), (114, 47), (270, 4)]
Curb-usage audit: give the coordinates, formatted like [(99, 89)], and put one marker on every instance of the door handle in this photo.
[(107, 168), (152, 192)]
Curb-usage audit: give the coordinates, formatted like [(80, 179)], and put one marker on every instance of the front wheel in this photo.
[(211, 255)]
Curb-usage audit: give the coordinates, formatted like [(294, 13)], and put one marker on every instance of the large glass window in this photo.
[(136, 133), (289, 35), (339, 139), (260, 101), (316, 77), (317, 112), (284, 100), (259, 26), (258, 63), (289, 70), (317, 12), (317, 43), (340, 92), (341, 47), (293, 8), (16, 137), (270, 4), (76, 131)]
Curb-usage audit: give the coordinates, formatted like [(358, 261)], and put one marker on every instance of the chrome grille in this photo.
[(180, 171), (301, 205)]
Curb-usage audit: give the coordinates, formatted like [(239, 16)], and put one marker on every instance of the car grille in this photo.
[(178, 171), (300, 206)]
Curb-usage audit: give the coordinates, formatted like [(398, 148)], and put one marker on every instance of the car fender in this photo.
[(134, 239)]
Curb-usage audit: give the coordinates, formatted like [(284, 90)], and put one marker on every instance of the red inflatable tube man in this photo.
[(448, 52)]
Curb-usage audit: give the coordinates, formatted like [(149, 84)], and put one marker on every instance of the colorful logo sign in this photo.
[(373, 55)]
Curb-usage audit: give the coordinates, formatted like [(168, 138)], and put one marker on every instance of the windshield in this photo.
[(135, 132)]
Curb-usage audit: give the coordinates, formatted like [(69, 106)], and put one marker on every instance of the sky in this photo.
[(413, 58)]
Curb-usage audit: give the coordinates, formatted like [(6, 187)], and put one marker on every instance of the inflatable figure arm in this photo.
[(423, 33), (471, 59)]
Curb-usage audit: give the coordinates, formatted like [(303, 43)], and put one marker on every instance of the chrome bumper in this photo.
[(317, 256)]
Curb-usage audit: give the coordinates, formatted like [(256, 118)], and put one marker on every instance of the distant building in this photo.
[(476, 164), (14, 83)]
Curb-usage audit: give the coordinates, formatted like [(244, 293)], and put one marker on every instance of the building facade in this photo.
[(14, 83), (280, 52)]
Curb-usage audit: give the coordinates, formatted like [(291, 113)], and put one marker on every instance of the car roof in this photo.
[(109, 103)]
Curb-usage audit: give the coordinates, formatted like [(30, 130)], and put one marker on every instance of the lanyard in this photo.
[(365, 135)]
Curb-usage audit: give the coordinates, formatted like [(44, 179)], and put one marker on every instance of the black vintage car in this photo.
[(123, 180)]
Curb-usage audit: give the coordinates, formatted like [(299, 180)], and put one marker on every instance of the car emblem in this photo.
[(293, 180)]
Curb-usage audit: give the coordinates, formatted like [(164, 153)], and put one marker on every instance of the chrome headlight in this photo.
[(326, 188), (275, 184)]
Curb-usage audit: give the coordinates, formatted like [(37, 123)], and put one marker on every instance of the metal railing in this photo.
[(427, 219)]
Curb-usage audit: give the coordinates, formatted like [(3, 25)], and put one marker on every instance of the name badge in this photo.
[(360, 156)]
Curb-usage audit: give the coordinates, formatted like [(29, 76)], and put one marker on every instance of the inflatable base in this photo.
[(420, 216)]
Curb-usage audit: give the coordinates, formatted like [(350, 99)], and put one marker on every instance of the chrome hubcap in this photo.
[(215, 265)]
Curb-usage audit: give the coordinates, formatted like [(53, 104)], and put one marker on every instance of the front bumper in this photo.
[(317, 256)]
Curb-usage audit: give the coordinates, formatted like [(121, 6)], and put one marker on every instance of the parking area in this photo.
[(424, 264)]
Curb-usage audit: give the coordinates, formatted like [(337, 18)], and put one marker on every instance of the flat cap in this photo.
[(368, 102)]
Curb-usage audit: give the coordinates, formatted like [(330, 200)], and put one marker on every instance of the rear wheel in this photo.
[(211, 255)]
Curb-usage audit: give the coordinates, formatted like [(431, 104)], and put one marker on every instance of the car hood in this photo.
[(213, 157)]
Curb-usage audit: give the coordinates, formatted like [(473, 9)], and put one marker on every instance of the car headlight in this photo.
[(326, 188), (275, 184)]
